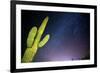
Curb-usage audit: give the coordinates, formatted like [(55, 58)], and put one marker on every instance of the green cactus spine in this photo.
[(33, 41)]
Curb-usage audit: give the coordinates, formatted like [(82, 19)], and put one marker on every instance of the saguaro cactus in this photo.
[(34, 41)]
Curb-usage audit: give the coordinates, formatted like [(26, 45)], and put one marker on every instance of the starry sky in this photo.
[(69, 35)]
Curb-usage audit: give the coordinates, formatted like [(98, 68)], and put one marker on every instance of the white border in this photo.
[(20, 65)]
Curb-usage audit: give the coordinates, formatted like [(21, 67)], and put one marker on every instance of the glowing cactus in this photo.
[(34, 41)]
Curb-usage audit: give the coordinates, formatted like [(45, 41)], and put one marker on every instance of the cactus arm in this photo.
[(40, 32), (31, 36), (43, 25), (44, 41)]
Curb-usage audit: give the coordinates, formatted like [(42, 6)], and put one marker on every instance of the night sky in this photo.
[(69, 35)]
